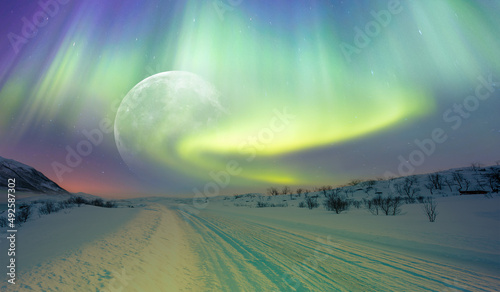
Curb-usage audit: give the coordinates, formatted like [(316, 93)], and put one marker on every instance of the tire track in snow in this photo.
[(336, 266)]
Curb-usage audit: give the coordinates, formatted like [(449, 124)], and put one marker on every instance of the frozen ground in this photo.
[(160, 247)]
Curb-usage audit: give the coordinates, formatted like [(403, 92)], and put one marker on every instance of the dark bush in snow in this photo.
[(110, 204), (78, 201), (48, 207), (311, 202), (97, 202), (24, 213), (336, 203), (3, 222)]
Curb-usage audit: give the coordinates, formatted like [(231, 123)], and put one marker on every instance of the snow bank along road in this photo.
[(166, 249)]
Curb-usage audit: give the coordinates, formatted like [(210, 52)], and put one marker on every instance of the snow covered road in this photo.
[(245, 255), (166, 249)]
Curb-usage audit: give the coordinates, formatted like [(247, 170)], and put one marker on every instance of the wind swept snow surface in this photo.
[(223, 248)]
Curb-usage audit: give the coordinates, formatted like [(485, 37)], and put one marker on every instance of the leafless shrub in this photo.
[(480, 184), (110, 204), (436, 180), (24, 213), (430, 187), (459, 179), (407, 188), (430, 209), (311, 202), (272, 191), (324, 189), (97, 202), (3, 222), (391, 205), (336, 203), (467, 184), (286, 190), (48, 207), (78, 201), (449, 183), (355, 182), (493, 178), (475, 166), (372, 205), (388, 205)]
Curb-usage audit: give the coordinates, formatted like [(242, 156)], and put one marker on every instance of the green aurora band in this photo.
[(294, 63)]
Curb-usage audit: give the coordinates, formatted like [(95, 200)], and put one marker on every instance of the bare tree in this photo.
[(355, 182), (336, 203), (285, 190), (437, 180), (449, 183), (480, 184), (430, 187), (373, 205), (466, 184), (459, 179), (299, 191), (390, 205), (273, 191), (324, 189), (335, 192), (475, 166), (312, 202), (48, 207), (396, 206), (24, 213), (430, 209), (78, 201), (407, 188), (494, 180)]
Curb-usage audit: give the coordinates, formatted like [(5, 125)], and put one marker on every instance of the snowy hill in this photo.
[(473, 180), (27, 178)]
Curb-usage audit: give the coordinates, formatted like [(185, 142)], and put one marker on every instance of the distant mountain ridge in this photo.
[(27, 178)]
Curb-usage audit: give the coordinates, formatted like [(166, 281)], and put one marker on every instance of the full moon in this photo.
[(157, 114)]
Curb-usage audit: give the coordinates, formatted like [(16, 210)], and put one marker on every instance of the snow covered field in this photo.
[(159, 247)]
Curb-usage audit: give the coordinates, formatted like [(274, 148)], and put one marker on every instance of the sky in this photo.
[(177, 97)]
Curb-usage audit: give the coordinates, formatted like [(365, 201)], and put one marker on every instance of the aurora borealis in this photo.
[(363, 80)]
